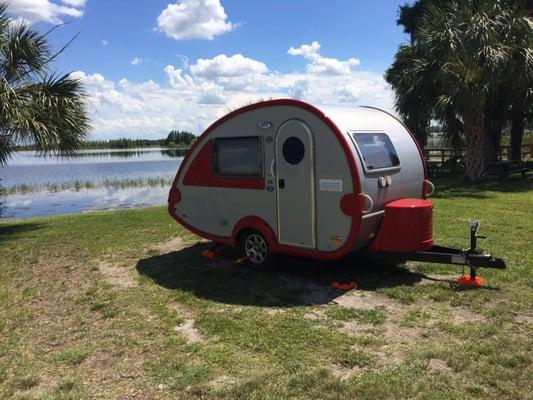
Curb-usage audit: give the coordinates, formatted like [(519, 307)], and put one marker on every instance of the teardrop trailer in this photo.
[(285, 177)]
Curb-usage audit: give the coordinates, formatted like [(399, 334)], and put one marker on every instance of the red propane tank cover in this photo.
[(406, 204), (406, 226)]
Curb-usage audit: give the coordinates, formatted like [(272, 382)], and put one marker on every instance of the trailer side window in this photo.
[(238, 156), (377, 150)]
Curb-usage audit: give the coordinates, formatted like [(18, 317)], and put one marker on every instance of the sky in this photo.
[(153, 66)]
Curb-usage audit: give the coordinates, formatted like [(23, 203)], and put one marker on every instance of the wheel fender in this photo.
[(258, 224)]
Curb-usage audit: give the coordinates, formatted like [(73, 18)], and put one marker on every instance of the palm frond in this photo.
[(25, 50), (37, 106)]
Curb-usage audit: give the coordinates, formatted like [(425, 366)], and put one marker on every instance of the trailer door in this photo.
[(295, 184)]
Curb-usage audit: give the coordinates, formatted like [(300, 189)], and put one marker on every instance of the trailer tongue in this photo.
[(472, 257), (406, 233)]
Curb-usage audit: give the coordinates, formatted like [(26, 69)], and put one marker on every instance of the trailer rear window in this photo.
[(377, 150), (238, 156)]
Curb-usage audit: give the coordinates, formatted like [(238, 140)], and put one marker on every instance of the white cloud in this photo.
[(137, 61), (194, 19), (224, 66), (177, 80), (104, 42), (309, 51), (196, 95), (46, 10), (75, 3), (320, 64)]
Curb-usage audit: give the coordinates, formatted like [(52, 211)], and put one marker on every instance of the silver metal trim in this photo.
[(374, 214)]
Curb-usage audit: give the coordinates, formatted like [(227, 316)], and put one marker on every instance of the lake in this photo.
[(103, 179)]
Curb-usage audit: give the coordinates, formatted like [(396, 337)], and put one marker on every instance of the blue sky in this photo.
[(151, 66)]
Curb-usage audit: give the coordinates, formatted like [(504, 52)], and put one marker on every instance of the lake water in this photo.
[(95, 180)]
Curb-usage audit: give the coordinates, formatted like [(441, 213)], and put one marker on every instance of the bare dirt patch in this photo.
[(222, 381), (355, 328), (182, 311), (117, 275), (190, 332), (169, 246), (343, 373), (439, 365), (462, 315), (315, 315), (369, 301), (526, 319)]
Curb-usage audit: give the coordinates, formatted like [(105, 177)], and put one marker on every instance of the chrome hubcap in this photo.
[(255, 248)]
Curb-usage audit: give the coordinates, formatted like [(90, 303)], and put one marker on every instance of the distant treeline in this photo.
[(174, 139)]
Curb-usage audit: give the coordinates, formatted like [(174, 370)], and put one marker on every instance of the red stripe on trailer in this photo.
[(200, 173), (296, 251)]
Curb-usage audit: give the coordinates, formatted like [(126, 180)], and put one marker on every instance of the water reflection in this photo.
[(70, 201), (32, 169)]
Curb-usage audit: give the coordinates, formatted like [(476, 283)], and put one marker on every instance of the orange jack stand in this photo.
[(344, 286), (210, 254), (470, 281)]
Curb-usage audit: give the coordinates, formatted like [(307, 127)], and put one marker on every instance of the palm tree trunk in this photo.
[(517, 133), (477, 148), (494, 121)]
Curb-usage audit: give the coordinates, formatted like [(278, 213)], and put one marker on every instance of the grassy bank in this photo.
[(121, 305)]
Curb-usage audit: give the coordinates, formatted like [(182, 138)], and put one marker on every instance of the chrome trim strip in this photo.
[(374, 214)]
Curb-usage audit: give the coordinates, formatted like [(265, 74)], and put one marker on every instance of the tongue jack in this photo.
[(472, 280)]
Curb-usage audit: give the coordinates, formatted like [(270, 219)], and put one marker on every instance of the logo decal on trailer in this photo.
[(270, 188), (264, 124)]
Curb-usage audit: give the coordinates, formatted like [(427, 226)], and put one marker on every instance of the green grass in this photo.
[(159, 321)]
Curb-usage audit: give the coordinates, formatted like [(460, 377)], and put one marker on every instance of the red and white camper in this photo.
[(286, 177)]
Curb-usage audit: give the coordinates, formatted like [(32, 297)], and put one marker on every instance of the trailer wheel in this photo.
[(255, 247)]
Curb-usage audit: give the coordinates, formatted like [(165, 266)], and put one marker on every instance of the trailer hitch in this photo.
[(476, 258), (472, 257)]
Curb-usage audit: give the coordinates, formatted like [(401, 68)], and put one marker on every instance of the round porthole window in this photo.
[(293, 150)]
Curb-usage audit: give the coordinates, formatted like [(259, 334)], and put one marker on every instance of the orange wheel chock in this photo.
[(344, 286), (240, 260), (210, 254), (467, 281)]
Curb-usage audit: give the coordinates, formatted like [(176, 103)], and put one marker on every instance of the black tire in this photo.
[(254, 246)]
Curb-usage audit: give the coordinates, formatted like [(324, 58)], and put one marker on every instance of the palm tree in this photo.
[(459, 58), (36, 105), (518, 36)]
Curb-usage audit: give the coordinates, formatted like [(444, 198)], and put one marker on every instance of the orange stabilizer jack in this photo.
[(344, 286), (210, 254), (467, 281)]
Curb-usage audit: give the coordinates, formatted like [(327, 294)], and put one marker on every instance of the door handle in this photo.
[(281, 183)]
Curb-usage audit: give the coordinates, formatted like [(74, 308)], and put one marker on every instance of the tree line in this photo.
[(469, 66), (174, 139)]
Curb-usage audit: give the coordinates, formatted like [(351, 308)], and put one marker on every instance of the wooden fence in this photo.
[(438, 155)]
